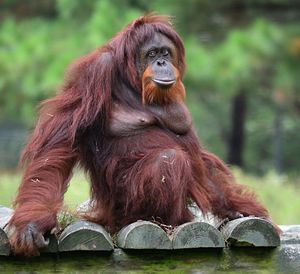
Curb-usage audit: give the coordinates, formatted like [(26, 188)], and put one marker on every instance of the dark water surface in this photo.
[(285, 259)]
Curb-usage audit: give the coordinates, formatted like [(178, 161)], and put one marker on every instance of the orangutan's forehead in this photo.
[(158, 40)]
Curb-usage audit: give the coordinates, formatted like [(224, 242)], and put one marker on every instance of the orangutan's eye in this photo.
[(165, 52), (152, 53)]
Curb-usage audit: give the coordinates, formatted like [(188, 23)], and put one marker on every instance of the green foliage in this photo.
[(258, 61), (33, 63), (69, 9), (239, 61)]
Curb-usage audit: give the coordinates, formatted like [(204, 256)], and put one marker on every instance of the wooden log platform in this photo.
[(146, 235), (141, 235)]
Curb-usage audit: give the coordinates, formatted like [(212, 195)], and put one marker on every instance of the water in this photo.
[(285, 259)]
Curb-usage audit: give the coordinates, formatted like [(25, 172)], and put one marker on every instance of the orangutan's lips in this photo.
[(164, 82)]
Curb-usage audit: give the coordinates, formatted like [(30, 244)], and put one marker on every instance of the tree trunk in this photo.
[(237, 133), (278, 140)]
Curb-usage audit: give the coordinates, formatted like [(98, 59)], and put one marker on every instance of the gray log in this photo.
[(251, 231), (5, 215), (143, 235), (290, 234), (52, 246), (197, 235), (84, 235), (4, 243)]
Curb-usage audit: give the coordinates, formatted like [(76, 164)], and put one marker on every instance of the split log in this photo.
[(143, 235), (4, 243), (85, 236), (290, 234), (5, 215), (250, 231), (197, 235)]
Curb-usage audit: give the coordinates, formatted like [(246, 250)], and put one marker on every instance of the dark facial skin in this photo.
[(159, 53)]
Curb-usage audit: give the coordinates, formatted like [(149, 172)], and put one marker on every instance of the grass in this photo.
[(279, 194), (77, 193)]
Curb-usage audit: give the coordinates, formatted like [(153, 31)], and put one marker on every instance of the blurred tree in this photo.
[(33, 62), (245, 65), (29, 8)]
